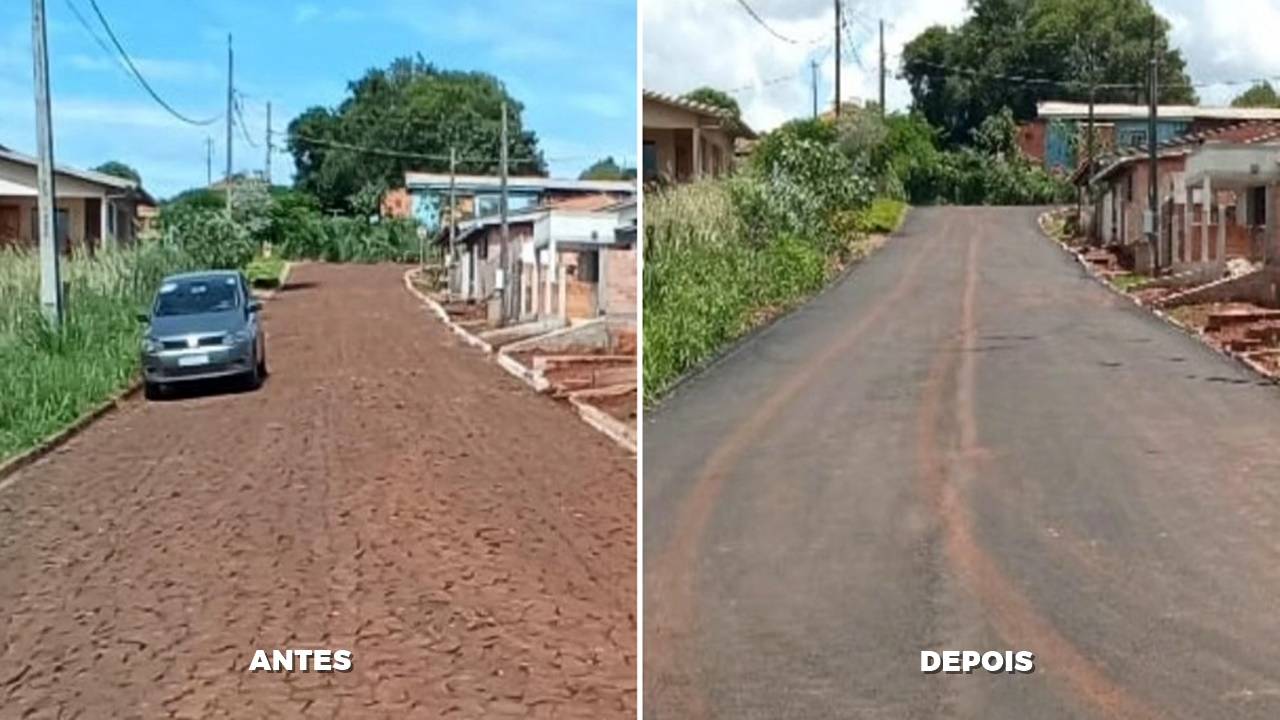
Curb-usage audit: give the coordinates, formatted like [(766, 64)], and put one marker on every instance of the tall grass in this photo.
[(706, 282), (49, 377)]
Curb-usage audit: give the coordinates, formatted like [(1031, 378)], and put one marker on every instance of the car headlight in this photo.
[(238, 337), (150, 345)]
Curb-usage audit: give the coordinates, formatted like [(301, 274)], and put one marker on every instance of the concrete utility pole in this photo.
[(1153, 198), (230, 100), (504, 260), (453, 201), (837, 58), (882, 67), (208, 161), (50, 272), (266, 172), (813, 71)]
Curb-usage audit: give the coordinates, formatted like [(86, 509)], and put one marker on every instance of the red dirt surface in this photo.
[(621, 407), (385, 492)]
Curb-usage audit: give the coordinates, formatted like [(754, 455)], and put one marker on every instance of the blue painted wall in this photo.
[(427, 203), (1128, 133)]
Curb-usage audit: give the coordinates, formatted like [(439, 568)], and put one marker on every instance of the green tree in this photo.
[(958, 76), (715, 98), (607, 169), (115, 168), (407, 116), (1261, 95)]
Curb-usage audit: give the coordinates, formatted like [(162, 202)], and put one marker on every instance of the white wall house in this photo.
[(93, 209)]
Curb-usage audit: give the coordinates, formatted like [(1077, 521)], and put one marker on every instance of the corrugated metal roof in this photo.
[(519, 182), (1115, 111)]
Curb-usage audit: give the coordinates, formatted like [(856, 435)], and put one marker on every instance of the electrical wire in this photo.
[(765, 25), (138, 75), (244, 127)]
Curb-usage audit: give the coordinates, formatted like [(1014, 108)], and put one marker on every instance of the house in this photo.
[(480, 195), (1048, 138), (686, 140), (1231, 209), (92, 208), (576, 262)]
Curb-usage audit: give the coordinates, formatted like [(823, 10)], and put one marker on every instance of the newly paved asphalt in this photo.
[(966, 444)]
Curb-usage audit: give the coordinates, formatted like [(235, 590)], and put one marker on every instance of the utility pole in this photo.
[(508, 284), (882, 111), (837, 59), (266, 172), (453, 201), (1153, 199), (208, 161), (813, 68), (227, 180), (50, 272)]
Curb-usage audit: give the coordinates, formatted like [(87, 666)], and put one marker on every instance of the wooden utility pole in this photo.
[(230, 99), (508, 281), (882, 68), (50, 270), (813, 71), (1153, 198), (837, 58), (266, 172)]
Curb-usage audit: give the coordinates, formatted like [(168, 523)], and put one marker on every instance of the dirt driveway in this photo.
[(388, 491)]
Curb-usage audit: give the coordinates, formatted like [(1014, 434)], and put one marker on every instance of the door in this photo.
[(9, 224)]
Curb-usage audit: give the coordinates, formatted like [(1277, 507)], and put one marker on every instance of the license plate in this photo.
[(193, 360)]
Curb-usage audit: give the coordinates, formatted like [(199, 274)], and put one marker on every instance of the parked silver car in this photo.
[(203, 325)]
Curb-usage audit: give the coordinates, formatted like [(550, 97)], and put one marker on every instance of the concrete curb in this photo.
[(439, 310), (60, 438), (598, 419), (1192, 332), (603, 422)]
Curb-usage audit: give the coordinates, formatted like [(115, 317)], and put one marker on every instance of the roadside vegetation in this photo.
[(50, 377), (723, 256)]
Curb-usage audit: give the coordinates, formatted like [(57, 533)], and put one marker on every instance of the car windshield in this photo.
[(196, 296)]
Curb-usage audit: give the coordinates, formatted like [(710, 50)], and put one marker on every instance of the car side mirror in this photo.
[(254, 306)]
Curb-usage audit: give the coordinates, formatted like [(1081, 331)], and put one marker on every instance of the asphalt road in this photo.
[(388, 491), (966, 444)]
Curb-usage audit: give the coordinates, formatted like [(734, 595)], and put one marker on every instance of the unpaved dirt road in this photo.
[(968, 444), (388, 491)]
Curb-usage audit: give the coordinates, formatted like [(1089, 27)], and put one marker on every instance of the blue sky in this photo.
[(572, 64)]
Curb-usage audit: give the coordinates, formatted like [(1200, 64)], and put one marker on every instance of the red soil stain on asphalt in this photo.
[(387, 491), (1007, 608), (672, 613)]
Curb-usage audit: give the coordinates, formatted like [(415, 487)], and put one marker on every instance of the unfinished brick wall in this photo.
[(620, 282)]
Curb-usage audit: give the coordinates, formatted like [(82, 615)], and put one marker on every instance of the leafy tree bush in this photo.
[(118, 169), (413, 113)]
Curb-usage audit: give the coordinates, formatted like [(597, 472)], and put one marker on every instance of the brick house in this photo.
[(1231, 214), (1047, 138)]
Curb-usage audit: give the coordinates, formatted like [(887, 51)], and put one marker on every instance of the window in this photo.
[(650, 160), (1138, 139), (1258, 206), (589, 266), (61, 227)]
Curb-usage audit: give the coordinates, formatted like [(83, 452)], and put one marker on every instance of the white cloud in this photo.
[(688, 43)]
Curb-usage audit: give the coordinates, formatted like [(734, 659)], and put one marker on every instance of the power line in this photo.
[(244, 127), (138, 75), (765, 25), (408, 155)]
